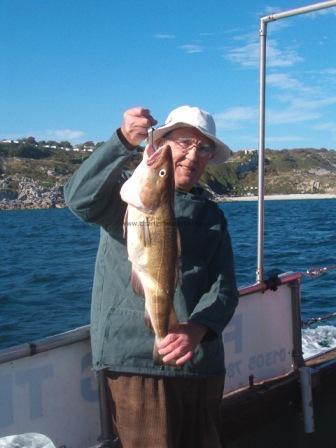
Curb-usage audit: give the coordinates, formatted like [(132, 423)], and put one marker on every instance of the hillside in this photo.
[(287, 171), (32, 174)]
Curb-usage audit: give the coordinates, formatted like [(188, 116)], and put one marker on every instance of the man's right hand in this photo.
[(136, 124)]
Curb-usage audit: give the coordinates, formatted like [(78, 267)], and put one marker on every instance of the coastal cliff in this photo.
[(32, 174), (29, 194)]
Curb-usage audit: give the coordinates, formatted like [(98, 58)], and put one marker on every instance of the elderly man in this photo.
[(155, 406)]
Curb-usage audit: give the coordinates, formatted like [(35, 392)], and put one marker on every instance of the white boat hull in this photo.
[(49, 386)]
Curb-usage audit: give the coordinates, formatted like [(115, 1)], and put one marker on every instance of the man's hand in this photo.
[(135, 125), (180, 342)]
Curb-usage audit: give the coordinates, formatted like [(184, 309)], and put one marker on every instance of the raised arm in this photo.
[(92, 193)]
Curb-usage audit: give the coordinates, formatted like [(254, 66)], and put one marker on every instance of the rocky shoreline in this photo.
[(29, 194), (32, 175)]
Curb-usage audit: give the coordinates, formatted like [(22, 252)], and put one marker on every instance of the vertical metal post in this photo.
[(307, 399), (107, 438), (262, 90), (261, 182), (297, 356)]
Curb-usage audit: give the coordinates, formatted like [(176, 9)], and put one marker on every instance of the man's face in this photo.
[(190, 156)]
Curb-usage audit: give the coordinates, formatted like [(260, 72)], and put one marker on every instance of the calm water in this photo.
[(47, 261)]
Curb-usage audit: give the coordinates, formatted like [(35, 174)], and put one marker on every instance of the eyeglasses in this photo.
[(186, 144)]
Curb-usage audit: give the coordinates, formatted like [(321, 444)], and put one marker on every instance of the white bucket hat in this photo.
[(194, 117)]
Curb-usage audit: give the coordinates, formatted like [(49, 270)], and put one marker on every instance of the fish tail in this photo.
[(157, 358), (172, 322)]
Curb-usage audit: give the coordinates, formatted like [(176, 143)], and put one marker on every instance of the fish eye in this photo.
[(162, 173)]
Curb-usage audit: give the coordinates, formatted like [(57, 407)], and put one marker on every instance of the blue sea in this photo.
[(47, 264)]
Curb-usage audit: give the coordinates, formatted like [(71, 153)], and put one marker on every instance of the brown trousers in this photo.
[(163, 412)]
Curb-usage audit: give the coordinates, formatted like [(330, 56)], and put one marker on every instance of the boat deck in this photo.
[(269, 414)]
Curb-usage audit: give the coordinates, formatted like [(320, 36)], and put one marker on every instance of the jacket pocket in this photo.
[(126, 339)]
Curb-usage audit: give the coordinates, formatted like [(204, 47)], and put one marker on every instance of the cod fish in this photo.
[(152, 239)]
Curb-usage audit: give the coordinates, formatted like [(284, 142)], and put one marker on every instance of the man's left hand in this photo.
[(180, 342)]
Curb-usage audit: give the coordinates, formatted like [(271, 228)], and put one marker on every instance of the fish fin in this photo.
[(147, 235), (136, 284), (148, 321), (157, 358), (172, 321), (144, 235), (177, 272), (178, 239), (178, 259), (125, 224)]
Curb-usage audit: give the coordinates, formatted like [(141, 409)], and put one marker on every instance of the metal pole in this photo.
[(307, 399), (262, 92), (298, 11), (261, 169), (297, 354), (107, 439)]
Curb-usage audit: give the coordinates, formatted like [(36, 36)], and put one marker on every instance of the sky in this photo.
[(70, 68)]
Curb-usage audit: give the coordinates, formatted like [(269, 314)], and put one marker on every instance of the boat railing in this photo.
[(45, 344)]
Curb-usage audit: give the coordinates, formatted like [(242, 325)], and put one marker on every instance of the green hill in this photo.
[(302, 170), (50, 164)]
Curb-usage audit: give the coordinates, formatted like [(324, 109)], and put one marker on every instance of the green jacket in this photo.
[(206, 292)]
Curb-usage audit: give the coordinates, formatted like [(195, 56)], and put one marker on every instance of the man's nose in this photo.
[(192, 153)]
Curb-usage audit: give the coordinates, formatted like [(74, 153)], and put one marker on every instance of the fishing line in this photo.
[(314, 320), (315, 272), (311, 273)]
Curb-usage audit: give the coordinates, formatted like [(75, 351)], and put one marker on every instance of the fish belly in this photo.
[(154, 265), (135, 248)]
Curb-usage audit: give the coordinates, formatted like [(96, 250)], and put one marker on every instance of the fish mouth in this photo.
[(154, 156), (149, 151)]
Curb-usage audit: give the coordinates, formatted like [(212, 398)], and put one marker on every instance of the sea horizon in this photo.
[(222, 199)]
